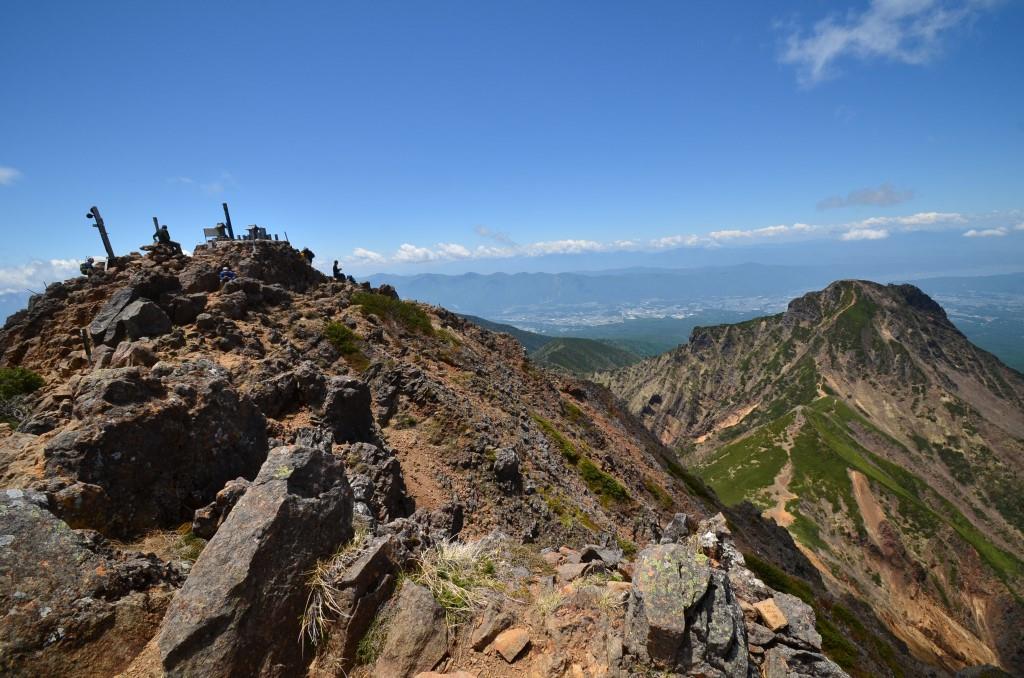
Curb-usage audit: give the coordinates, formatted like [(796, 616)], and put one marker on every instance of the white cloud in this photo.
[(35, 275), (986, 233), (673, 241), (564, 247), (8, 175), (865, 234), (453, 251), (1019, 227), (882, 196), (763, 232), (906, 31), (212, 187), (914, 220), (367, 256), (872, 228), (411, 254)]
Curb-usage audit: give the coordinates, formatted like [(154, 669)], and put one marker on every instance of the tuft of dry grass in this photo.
[(323, 602), (459, 574)]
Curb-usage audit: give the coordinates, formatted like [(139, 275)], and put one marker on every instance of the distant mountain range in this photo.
[(500, 295), (649, 311)]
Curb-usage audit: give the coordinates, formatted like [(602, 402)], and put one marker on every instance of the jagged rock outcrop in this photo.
[(148, 447), (239, 611), (70, 600)]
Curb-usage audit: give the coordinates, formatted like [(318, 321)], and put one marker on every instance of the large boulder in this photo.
[(70, 602), (683, 615), (152, 446), (240, 610), (668, 582), (143, 318)]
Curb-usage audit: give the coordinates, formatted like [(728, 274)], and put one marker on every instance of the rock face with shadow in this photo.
[(240, 609)]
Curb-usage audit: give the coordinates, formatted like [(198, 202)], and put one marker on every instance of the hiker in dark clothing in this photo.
[(163, 237), (338, 275), (87, 268), (226, 274), (308, 255)]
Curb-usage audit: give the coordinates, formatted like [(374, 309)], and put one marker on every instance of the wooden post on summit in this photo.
[(94, 213), (227, 221), (156, 229)]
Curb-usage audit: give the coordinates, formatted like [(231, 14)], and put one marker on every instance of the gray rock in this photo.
[(156, 448), (679, 528), (506, 469), (492, 622), (801, 632), (208, 519), (382, 487), (143, 318), (668, 583), (803, 664), (363, 588), (239, 611), (346, 411), (417, 636), (717, 634), (607, 555), (104, 328)]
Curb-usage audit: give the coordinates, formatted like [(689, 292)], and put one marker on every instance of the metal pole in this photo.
[(227, 216), (94, 213)]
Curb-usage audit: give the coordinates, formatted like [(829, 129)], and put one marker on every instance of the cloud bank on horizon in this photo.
[(871, 228)]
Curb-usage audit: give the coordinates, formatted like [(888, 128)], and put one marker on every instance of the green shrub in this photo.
[(605, 486), (16, 381), (600, 483), (347, 343), (404, 313)]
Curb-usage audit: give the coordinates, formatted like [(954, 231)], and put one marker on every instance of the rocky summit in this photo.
[(285, 474), (889, 446)]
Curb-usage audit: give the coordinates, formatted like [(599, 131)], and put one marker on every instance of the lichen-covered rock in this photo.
[(668, 583), (72, 604), (239, 612)]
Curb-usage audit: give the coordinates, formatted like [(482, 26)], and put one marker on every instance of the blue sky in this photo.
[(494, 136)]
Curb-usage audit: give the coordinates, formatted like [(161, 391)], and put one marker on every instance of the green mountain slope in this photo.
[(531, 341), (888, 445), (583, 356)]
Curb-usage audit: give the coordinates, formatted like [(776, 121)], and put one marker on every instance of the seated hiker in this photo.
[(87, 268), (163, 237), (308, 255), (338, 275), (226, 274)]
